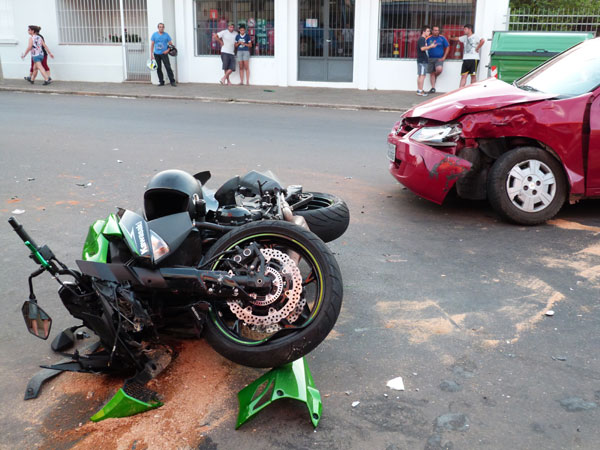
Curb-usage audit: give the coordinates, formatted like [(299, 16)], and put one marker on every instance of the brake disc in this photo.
[(288, 288)]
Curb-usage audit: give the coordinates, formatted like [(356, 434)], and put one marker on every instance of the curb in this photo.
[(205, 99)]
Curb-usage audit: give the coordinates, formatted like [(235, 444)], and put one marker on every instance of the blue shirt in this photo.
[(246, 39), (438, 50), (161, 42)]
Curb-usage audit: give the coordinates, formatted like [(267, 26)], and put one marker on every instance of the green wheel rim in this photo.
[(226, 332)]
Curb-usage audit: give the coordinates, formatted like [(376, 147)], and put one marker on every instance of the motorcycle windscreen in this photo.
[(172, 229), (208, 195), (268, 181)]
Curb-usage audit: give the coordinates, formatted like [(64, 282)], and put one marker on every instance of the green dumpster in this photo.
[(514, 53)]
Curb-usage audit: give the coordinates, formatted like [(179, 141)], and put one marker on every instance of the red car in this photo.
[(526, 147)]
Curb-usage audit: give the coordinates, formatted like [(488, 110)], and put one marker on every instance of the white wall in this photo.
[(71, 62), (389, 74), (207, 69), (105, 63)]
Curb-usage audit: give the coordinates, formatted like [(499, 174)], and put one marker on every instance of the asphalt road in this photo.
[(449, 298)]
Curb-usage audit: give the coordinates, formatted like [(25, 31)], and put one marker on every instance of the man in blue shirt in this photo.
[(159, 49), (437, 55)]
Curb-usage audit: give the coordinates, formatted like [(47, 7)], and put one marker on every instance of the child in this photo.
[(243, 44)]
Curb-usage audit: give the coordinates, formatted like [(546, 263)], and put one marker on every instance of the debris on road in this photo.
[(397, 384), (550, 313), (559, 358), (348, 392), (575, 404), (450, 386), (18, 211), (452, 422), (30, 179), (355, 404), (119, 161)]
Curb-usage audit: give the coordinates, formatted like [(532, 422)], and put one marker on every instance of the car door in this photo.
[(593, 167)]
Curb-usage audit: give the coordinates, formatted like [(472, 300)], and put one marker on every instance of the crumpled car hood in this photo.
[(481, 96)]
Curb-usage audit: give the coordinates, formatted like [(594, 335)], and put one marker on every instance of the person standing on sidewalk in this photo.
[(423, 58), (243, 42), (472, 45), (36, 46), (226, 38), (437, 56), (159, 49)]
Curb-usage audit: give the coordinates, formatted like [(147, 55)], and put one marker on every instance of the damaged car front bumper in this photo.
[(427, 171)]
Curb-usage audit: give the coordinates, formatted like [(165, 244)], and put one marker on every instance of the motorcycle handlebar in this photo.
[(21, 231)]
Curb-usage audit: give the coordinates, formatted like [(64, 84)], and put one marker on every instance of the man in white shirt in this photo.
[(472, 44), (227, 40)]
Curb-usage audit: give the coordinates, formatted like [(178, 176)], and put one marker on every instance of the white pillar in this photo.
[(291, 29), (282, 37), (491, 15), (363, 41), (183, 38)]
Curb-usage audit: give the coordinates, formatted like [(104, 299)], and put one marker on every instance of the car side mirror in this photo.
[(37, 321)]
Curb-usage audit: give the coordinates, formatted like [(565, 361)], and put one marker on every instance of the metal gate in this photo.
[(325, 40), (135, 34)]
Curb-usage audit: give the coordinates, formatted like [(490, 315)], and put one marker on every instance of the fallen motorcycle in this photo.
[(255, 196), (264, 293)]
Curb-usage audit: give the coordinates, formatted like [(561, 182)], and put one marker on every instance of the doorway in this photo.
[(325, 40), (136, 45)]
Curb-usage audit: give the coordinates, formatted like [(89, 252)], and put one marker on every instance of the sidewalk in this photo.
[(398, 101)]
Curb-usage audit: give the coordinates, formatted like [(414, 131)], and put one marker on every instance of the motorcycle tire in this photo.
[(327, 215), (225, 332)]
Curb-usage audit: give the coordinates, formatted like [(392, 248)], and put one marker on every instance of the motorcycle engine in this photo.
[(233, 215)]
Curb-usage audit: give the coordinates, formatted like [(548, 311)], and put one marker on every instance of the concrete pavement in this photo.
[(398, 101)]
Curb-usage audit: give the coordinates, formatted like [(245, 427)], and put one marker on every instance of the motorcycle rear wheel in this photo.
[(321, 289), (327, 215)]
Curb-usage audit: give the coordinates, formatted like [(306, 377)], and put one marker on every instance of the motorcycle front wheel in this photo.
[(285, 324)]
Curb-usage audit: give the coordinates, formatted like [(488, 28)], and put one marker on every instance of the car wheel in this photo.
[(527, 185)]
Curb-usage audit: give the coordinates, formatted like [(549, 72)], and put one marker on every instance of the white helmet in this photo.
[(151, 64)]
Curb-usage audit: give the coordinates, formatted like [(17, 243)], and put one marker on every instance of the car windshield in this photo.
[(572, 73)]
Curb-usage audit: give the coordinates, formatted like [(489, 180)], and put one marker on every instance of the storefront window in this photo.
[(400, 24), (213, 16)]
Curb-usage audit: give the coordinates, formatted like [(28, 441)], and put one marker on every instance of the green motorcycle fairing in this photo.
[(292, 380), (96, 243), (124, 405)]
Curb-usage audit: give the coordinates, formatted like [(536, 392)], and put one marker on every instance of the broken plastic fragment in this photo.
[(18, 211), (355, 404), (119, 161), (550, 312), (397, 384)]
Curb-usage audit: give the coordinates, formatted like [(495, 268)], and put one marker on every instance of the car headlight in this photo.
[(440, 136)]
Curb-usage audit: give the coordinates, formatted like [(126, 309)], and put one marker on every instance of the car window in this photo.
[(572, 73)]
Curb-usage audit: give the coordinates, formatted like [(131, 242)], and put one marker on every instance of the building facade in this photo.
[(363, 44)]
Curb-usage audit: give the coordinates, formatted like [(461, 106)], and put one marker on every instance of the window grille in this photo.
[(400, 24), (89, 22), (213, 16)]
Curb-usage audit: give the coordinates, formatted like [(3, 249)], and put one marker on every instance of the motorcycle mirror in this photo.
[(37, 321)]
